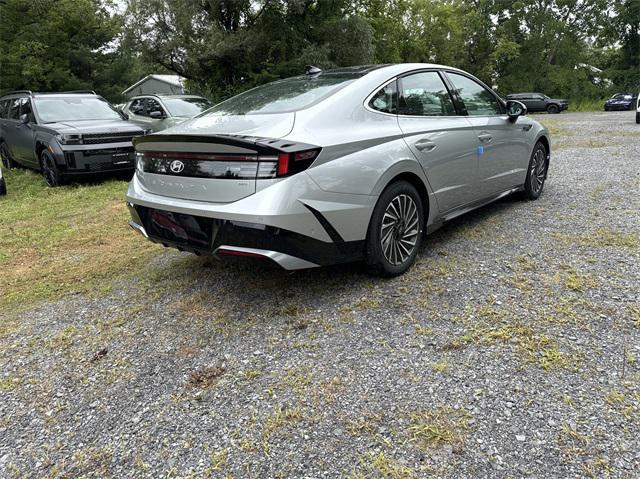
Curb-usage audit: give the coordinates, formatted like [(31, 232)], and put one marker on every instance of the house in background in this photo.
[(157, 84)]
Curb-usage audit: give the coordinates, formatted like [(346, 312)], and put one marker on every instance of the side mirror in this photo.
[(515, 109), (156, 114), (24, 119)]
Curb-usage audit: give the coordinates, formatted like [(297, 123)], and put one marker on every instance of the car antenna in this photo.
[(312, 70)]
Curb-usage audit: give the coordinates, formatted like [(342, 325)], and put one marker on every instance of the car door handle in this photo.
[(485, 138), (425, 145)]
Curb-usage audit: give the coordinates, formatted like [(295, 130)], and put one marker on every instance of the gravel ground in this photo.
[(511, 349)]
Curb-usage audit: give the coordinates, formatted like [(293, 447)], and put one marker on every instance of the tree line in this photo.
[(578, 49)]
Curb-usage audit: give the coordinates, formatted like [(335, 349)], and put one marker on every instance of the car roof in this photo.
[(21, 93)]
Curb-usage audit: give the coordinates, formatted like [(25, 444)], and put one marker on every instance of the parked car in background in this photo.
[(3, 183), (329, 167), (157, 112), (540, 102), (621, 101), (65, 134)]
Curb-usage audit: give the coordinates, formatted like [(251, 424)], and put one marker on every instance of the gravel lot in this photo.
[(512, 349)]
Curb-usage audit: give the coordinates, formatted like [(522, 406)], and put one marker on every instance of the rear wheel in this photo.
[(537, 172), (553, 109), (3, 187), (395, 230), (5, 156), (49, 169)]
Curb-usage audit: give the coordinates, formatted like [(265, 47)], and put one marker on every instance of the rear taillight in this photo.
[(291, 163), (204, 165)]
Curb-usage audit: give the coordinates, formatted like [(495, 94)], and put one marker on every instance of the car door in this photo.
[(12, 128), (537, 102), (24, 135), (156, 113), (502, 147), (441, 140), (135, 110)]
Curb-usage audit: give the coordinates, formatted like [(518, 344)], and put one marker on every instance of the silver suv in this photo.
[(157, 112), (65, 134)]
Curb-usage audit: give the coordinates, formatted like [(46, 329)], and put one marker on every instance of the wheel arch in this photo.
[(547, 144)]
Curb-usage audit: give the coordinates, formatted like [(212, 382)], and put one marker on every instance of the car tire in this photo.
[(7, 160), (638, 117), (395, 230), (553, 109), (50, 170), (3, 187), (536, 172)]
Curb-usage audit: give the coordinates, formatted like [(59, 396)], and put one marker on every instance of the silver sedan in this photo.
[(333, 166)]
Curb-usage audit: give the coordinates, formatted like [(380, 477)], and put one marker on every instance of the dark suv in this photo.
[(540, 102), (65, 134)]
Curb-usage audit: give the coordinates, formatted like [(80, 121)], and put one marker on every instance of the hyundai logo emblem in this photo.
[(176, 166)]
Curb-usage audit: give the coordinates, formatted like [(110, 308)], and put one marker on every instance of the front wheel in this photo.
[(553, 109), (395, 231), (49, 170), (537, 172)]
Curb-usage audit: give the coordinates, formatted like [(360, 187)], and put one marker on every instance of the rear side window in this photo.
[(386, 99), (282, 96), (4, 105), (477, 99), (424, 94), (14, 109)]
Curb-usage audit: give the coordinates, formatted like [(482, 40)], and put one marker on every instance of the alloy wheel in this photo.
[(49, 171), (400, 229), (538, 171)]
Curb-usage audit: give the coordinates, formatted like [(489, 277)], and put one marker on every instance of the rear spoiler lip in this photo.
[(263, 146)]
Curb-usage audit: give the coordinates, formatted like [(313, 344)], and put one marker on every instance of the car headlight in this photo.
[(70, 139)]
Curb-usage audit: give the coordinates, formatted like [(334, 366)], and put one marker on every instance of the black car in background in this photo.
[(621, 101), (65, 134), (540, 102)]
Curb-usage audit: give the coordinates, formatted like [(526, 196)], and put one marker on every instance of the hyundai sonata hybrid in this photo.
[(335, 166)]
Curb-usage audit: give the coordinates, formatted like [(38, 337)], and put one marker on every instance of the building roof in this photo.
[(174, 80)]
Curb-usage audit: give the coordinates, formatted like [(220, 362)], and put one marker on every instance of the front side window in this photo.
[(74, 108), (282, 96), (14, 109), (477, 99), (186, 107), (153, 105), (25, 108), (385, 100), (137, 106), (425, 94)]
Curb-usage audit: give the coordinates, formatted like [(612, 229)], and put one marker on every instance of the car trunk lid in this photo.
[(189, 162)]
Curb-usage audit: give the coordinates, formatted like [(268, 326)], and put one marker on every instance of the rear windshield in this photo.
[(283, 96), (54, 109), (186, 106)]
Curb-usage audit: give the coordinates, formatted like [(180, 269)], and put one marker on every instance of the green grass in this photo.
[(587, 105), (58, 241)]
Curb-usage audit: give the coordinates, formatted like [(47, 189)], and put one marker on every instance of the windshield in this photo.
[(283, 96), (621, 96), (74, 108), (186, 106)]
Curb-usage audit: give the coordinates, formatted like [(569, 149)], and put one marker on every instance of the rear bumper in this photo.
[(208, 236), (292, 218)]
